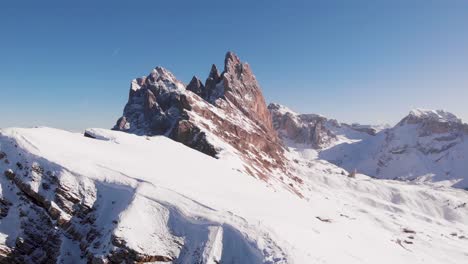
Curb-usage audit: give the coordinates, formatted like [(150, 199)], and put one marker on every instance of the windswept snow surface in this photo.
[(164, 198)]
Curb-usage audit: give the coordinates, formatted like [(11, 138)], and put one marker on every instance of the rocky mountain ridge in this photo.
[(228, 111)]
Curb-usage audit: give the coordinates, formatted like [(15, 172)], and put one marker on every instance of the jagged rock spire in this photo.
[(196, 86)]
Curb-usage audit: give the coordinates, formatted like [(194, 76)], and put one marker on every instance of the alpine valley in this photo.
[(208, 173)]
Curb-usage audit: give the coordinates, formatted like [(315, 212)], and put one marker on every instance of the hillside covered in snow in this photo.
[(67, 198)]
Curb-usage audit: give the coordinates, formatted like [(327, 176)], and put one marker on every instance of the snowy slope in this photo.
[(126, 197)]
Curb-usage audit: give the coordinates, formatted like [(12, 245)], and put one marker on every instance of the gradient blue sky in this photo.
[(68, 64)]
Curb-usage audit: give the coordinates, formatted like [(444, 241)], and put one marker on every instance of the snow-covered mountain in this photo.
[(199, 174), (425, 145)]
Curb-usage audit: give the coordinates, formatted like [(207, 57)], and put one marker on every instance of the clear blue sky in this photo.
[(68, 64)]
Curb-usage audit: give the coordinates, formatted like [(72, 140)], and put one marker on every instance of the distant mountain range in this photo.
[(426, 145)]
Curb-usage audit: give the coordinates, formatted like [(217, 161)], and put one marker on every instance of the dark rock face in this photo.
[(229, 106), (190, 135)]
